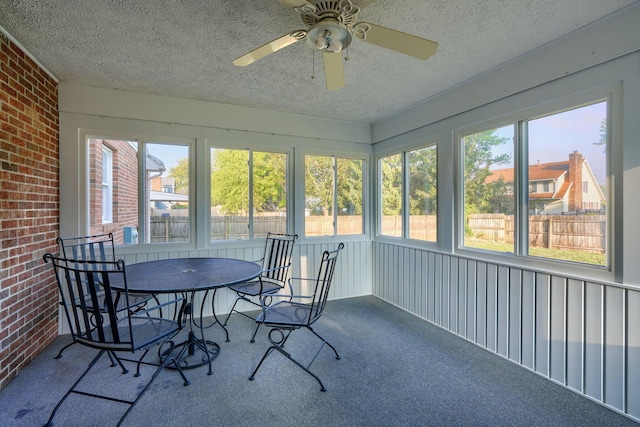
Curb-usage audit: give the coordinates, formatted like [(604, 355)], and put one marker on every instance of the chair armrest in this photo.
[(289, 296), (178, 312), (275, 269)]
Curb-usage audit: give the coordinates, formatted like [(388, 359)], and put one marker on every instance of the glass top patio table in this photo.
[(190, 275)]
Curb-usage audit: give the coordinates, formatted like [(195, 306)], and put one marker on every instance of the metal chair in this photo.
[(300, 311), (86, 291), (99, 247), (275, 262)]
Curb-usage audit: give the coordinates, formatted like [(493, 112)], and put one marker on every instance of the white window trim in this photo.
[(107, 187), (612, 94)]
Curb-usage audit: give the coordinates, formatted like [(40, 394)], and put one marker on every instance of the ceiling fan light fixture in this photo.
[(329, 35)]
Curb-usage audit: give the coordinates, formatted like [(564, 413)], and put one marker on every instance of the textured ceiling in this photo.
[(184, 48)]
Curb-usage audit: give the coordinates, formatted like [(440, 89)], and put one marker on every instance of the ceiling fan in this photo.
[(331, 27)]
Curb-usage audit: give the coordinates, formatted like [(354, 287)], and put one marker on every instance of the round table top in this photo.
[(188, 274)]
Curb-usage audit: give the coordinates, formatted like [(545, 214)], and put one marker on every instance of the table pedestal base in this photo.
[(199, 353)]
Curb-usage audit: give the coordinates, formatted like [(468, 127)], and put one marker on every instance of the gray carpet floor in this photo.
[(395, 370)]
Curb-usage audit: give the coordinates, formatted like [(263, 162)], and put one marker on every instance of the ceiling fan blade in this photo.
[(269, 48), (395, 40), (362, 3), (297, 3), (333, 70)]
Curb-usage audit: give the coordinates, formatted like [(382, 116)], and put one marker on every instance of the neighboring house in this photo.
[(559, 187), (163, 194), (114, 186)]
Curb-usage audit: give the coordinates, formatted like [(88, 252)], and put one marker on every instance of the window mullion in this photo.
[(335, 196), (250, 201), (521, 214), (405, 195)]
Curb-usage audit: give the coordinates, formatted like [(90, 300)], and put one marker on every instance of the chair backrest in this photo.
[(98, 247), (87, 298), (277, 256), (323, 283)]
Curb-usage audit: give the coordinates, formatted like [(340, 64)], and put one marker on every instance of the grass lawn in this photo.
[(566, 255)]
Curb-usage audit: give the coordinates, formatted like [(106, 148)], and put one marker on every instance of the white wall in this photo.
[(85, 110), (574, 325)]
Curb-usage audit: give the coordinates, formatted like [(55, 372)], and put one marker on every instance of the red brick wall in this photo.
[(29, 209)]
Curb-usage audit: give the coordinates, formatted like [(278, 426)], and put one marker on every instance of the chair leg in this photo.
[(63, 349), (325, 342), (71, 390), (278, 345), (233, 307), (253, 337), (114, 358), (161, 366)]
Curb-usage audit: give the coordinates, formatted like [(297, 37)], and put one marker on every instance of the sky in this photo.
[(169, 154), (552, 138)]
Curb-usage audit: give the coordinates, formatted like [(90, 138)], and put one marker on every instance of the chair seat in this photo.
[(286, 313), (254, 288), (146, 330)]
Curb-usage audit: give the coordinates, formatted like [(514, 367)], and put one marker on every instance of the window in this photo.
[(248, 193), (566, 153), (409, 194), (489, 201), (333, 196), (107, 185), (391, 195), (118, 189), (569, 148)]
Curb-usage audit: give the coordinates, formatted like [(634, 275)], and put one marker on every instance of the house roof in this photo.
[(537, 172)]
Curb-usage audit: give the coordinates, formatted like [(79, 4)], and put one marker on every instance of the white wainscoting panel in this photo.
[(352, 276), (580, 334)]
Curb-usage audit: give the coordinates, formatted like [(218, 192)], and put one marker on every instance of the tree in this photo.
[(318, 184), (180, 173), (603, 135), (391, 185), (349, 186), (481, 196), (269, 181), (423, 181), (230, 181)]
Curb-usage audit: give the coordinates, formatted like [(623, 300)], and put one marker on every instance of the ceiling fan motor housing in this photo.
[(329, 35), (343, 11)]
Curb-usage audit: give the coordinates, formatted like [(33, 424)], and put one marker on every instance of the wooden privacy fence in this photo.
[(176, 228), (421, 227), (570, 232), (585, 233)]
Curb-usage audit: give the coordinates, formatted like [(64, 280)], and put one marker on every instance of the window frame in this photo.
[(302, 192), (107, 188), (405, 189), (250, 149), (610, 94), (140, 139)]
